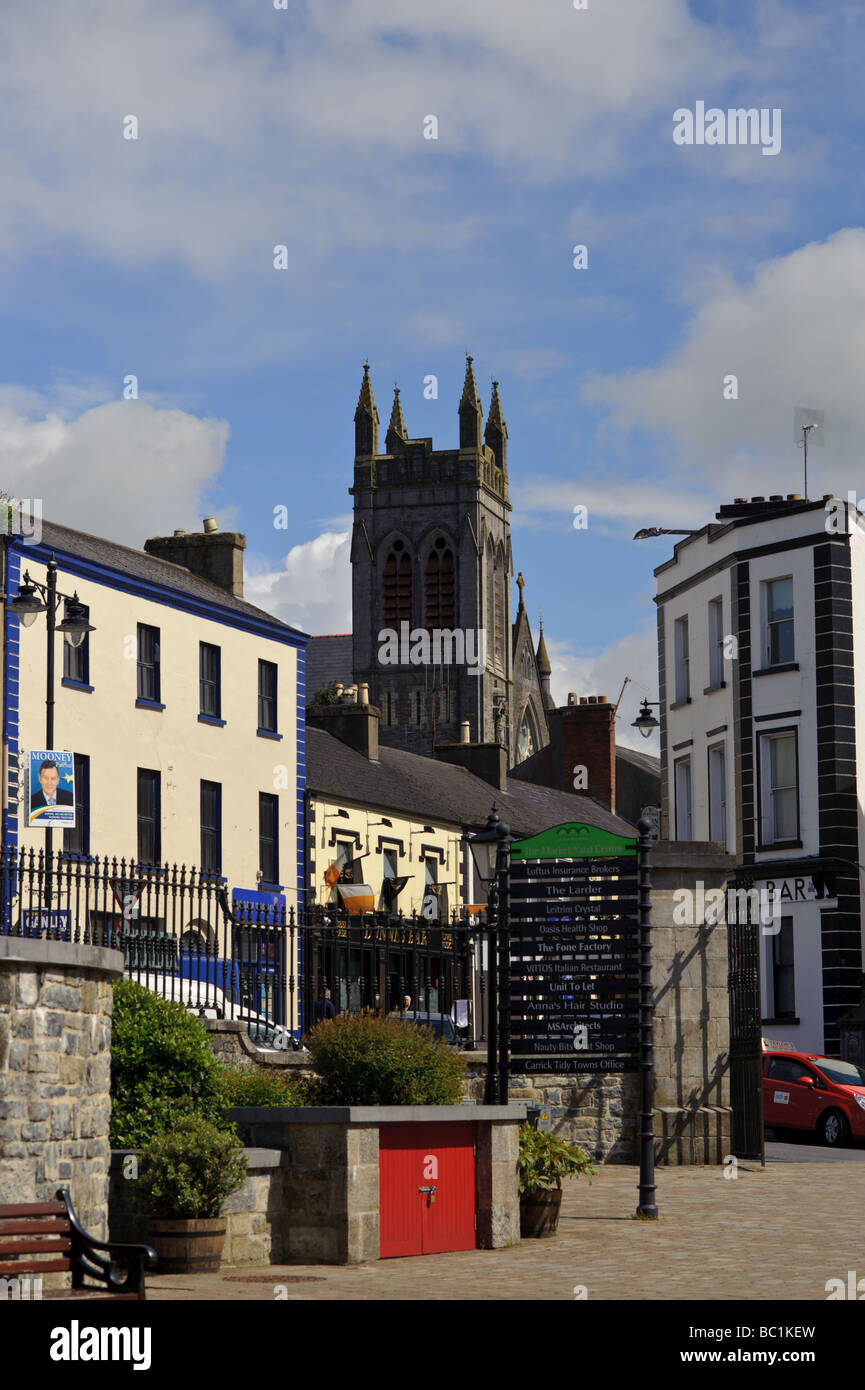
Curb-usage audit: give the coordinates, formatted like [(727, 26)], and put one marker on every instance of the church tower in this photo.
[(431, 553)]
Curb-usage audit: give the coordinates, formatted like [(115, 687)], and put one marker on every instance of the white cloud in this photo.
[(602, 673), (124, 470), (619, 506), (793, 335), (312, 590), (267, 127)]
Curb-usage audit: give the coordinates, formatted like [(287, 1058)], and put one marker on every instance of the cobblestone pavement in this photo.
[(778, 1232)]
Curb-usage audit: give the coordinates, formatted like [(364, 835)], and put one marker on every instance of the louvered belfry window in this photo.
[(440, 607), (397, 587)]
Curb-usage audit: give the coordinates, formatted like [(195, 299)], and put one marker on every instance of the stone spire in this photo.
[(470, 411), (544, 670), (496, 432), (365, 420), (396, 431)]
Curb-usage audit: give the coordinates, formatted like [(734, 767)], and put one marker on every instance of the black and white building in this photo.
[(761, 632)]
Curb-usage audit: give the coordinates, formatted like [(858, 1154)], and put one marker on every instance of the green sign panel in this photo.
[(573, 840)]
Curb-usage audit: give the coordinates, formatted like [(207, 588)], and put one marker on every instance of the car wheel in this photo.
[(834, 1128)]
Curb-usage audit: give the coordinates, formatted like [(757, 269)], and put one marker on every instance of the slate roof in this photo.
[(647, 761), (419, 787), (139, 565), (328, 659)]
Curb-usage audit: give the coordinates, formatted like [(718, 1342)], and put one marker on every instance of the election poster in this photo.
[(51, 785)]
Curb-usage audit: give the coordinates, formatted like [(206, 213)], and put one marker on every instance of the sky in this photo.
[(305, 127)]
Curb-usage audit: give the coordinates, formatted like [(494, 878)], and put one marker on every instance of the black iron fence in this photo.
[(275, 970)]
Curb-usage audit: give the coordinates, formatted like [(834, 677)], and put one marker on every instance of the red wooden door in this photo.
[(416, 1156)]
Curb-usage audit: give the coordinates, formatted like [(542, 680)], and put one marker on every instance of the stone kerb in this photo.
[(55, 1073)]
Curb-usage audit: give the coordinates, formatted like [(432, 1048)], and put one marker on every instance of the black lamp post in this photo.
[(645, 720), (647, 1206), (490, 849), (32, 599)]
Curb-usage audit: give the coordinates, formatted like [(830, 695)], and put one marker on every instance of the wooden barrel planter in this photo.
[(192, 1246), (539, 1212)]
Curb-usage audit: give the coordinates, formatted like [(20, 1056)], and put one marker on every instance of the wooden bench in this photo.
[(52, 1229)]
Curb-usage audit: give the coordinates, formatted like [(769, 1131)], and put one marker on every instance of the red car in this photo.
[(823, 1095)]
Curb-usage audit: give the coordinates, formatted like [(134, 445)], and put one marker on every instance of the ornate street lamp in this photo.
[(490, 849), (645, 720)]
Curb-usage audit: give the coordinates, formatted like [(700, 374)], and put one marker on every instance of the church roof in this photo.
[(328, 659)]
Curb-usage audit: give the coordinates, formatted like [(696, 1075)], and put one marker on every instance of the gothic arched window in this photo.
[(526, 741), (440, 601), (397, 586)]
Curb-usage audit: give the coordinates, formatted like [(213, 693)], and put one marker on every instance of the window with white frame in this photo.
[(683, 681), (716, 641), (718, 794), (778, 603), (779, 787), (683, 799)]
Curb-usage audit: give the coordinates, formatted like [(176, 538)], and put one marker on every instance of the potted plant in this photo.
[(544, 1160), (185, 1176)]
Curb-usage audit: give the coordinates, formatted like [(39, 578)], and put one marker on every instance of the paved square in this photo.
[(778, 1232)]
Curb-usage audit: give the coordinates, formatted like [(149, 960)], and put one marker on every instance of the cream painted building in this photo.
[(184, 709)]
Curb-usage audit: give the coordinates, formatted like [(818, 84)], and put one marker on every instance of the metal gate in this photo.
[(746, 1059)]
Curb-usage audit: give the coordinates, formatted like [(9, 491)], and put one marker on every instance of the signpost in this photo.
[(580, 962)]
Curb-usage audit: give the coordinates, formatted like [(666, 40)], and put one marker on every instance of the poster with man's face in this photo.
[(51, 782)]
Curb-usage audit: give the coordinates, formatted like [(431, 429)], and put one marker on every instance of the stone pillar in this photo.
[(55, 1073), (498, 1198), (692, 1005)]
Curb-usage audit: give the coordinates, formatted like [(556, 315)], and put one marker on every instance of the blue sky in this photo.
[(305, 127)]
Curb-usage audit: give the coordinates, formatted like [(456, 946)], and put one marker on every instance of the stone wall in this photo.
[(55, 1061), (256, 1215)]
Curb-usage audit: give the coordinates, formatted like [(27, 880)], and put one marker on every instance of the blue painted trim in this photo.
[(265, 733), (210, 719), (99, 573), (148, 704), (11, 675), (77, 685)]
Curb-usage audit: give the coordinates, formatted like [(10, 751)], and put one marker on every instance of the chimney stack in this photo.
[(353, 723), (211, 554)]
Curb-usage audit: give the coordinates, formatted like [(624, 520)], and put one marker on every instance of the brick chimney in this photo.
[(582, 735), (489, 761), (354, 723), (211, 554), (586, 734)]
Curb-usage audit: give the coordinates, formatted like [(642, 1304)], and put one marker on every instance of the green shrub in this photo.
[(162, 1067), (257, 1086), (189, 1171), (545, 1159), (367, 1060)]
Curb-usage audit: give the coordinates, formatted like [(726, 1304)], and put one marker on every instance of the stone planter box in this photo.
[(330, 1170)]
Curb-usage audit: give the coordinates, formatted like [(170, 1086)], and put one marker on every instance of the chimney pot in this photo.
[(210, 526), (740, 500), (363, 694), (572, 697), (464, 731), (794, 497), (180, 533), (776, 497), (583, 700), (758, 499), (602, 699)]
